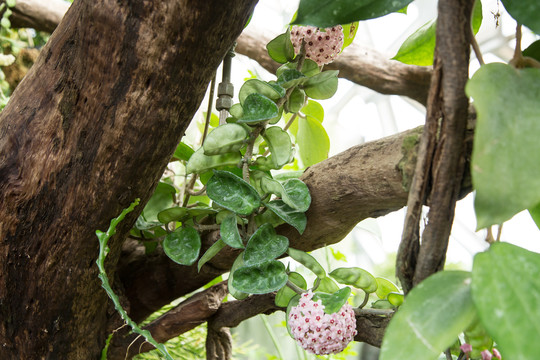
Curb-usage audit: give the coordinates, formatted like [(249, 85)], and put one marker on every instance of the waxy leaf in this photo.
[(285, 294), (199, 162), (291, 216), (308, 261), (356, 277), (322, 86), (210, 253), (264, 245), (296, 100), (535, 214), (446, 297), (312, 140), (292, 303), (326, 13), (349, 33), (162, 198), (172, 214), (261, 278), (524, 12), (229, 232), (505, 175), (327, 285), (183, 152), (333, 302), (281, 49), (309, 68), (506, 292), (314, 110), (395, 298), (384, 287), (237, 294), (280, 145), (183, 245), (256, 86), (257, 108), (224, 139), (293, 192), (533, 50), (290, 78), (233, 193)]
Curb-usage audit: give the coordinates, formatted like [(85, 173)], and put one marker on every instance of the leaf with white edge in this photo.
[(285, 294), (524, 12), (446, 297), (224, 139), (261, 278), (172, 214), (333, 302), (506, 292), (238, 263), (308, 261), (290, 78), (322, 86), (183, 245), (327, 13), (505, 175), (291, 216), (210, 253), (312, 140), (385, 287), (264, 245), (280, 145), (229, 232), (199, 162), (281, 49), (356, 277), (256, 86), (258, 108), (233, 193)]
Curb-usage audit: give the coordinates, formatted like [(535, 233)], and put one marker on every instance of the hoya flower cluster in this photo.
[(318, 332), (322, 46)]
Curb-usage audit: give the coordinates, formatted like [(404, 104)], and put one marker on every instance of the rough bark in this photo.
[(38, 14), (89, 129)]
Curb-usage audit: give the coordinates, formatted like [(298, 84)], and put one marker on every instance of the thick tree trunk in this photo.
[(89, 129)]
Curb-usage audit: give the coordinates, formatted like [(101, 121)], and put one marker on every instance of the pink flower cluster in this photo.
[(318, 332), (321, 46), (486, 354)]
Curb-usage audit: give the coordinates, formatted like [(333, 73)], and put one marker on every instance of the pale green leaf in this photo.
[(312, 140)]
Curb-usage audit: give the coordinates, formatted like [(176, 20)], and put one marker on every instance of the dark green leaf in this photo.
[(183, 245), (183, 152), (162, 198), (446, 297), (232, 193), (229, 232), (291, 216), (333, 302), (298, 193), (210, 253), (281, 49), (309, 68), (257, 108), (256, 86), (308, 261), (142, 224), (524, 12), (356, 277), (535, 214), (290, 78), (533, 50), (224, 139), (312, 140), (285, 294), (199, 162), (322, 86), (268, 217), (296, 100), (326, 13), (506, 292), (172, 214), (280, 145), (261, 278), (264, 245), (505, 175), (238, 263)]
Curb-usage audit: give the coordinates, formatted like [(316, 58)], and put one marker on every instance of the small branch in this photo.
[(476, 48), (196, 193), (295, 288)]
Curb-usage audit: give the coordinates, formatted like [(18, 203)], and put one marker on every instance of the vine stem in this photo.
[(295, 288), (272, 336)]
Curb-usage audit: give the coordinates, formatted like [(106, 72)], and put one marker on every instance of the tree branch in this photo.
[(42, 15)]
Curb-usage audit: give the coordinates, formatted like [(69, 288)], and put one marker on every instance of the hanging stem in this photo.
[(272, 336)]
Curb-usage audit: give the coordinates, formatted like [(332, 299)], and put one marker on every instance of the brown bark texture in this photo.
[(89, 129)]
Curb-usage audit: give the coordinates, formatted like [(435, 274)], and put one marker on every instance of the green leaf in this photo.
[(385, 287), (333, 302), (309, 68), (308, 261), (293, 192), (506, 292), (281, 49), (524, 12), (210, 253), (535, 214), (162, 198), (349, 32), (280, 145), (199, 162), (261, 278), (172, 214), (238, 263), (183, 152), (290, 78), (256, 86), (327, 285), (236, 111), (411, 334), (183, 245), (291, 216), (296, 101), (224, 139), (233, 193), (505, 175), (285, 294), (396, 298), (257, 108), (314, 110), (533, 50), (322, 86), (382, 304), (356, 277), (229, 232), (312, 140), (477, 336), (142, 224), (264, 245), (326, 13)]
